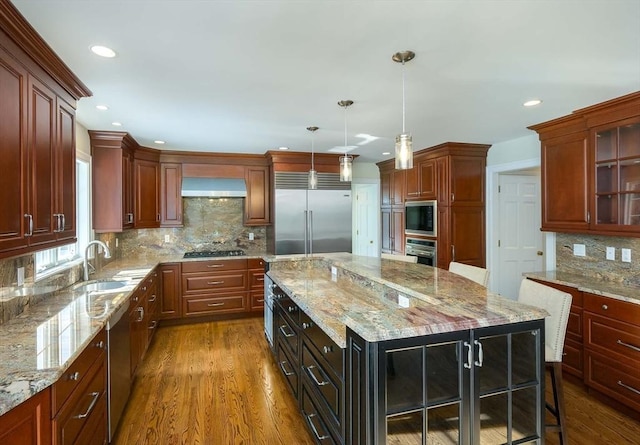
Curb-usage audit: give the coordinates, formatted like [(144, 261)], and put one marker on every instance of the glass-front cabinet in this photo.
[(484, 386), (617, 176)]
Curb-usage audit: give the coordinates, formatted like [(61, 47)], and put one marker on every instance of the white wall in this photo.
[(83, 143), (527, 147)]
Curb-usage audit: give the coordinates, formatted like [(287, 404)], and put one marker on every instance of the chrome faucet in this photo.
[(107, 254)]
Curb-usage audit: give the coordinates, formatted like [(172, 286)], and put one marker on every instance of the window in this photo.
[(50, 260)]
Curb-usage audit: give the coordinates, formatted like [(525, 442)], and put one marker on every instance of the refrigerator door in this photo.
[(290, 223), (330, 220)]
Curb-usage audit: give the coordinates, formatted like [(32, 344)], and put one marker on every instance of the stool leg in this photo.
[(558, 399)]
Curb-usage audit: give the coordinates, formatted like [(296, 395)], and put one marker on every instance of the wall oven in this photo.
[(424, 249), (421, 218)]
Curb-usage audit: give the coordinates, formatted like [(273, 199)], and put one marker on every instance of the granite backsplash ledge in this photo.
[(594, 264)]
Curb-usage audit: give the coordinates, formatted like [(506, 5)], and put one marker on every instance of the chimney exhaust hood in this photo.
[(214, 187)]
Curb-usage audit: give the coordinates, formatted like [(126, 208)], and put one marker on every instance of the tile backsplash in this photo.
[(594, 263)]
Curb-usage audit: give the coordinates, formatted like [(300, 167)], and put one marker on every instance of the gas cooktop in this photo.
[(213, 253)]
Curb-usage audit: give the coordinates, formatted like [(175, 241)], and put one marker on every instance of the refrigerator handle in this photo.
[(306, 232), (311, 232)]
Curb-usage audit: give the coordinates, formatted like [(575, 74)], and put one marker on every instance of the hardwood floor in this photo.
[(211, 383), (216, 383)]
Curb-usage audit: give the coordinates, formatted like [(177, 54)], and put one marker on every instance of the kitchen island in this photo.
[(379, 351)]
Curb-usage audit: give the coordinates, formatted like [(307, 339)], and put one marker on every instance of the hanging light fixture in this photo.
[(346, 161), (313, 174), (404, 144)]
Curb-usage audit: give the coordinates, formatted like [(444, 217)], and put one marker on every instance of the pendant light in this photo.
[(346, 161), (404, 144), (313, 174)]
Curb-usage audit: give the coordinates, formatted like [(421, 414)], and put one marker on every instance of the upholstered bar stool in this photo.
[(474, 273), (557, 304), (406, 258)]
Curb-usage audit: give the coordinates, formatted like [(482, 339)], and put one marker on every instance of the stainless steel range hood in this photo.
[(214, 187)]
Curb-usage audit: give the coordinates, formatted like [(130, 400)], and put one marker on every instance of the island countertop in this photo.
[(384, 300)]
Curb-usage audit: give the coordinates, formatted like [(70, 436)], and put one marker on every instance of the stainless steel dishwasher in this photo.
[(119, 366)]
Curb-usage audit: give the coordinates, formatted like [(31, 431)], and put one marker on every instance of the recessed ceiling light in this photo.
[(386, 153), (103, 51), (158, 142), (283, 148), (102, 107), (532, 103), (116, 124)]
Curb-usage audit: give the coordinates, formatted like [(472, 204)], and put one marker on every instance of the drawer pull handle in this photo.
[(215, 265), (261, 300), (259, 278), (144, 288), (272, 286), (153, 298), (286, 334), (291, 309), (480, 360), (467, 364), (215, 304), (95, 396), (315, 379), (286, 373), (100, 345), (154, 323), (75, 376), (327, 349), (630, 388), (314, 429), (213, 283), (635, 348), (306, 325), (605, 307)]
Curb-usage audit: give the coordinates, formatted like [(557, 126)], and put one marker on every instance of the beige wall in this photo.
[(83, 144)]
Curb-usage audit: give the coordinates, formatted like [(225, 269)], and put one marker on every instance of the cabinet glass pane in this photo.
[(494, 373), (630, 208), (630, 175), (523, 358), (606, 178), (524, 413), (494, 419), (607, 209), (606, 142), (443, 425), (629, 144), (404, 379), (443, 373), (405, 429)]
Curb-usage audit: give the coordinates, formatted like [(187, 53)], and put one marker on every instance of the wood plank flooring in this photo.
[(216, 383), (211, 383)]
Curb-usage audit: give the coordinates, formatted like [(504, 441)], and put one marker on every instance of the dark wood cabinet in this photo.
[(420, 181), (170, 194), (147, 194), (65, 203), (170, 291), (29, 423), (256, 284), (392, 226), (590, 180), (460, 241), (257, 203)]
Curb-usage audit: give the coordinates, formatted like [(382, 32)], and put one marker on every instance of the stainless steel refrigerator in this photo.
[(310, 221)]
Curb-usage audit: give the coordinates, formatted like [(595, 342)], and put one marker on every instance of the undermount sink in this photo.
[(99, 286)]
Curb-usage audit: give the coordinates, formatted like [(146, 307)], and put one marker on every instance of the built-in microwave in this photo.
[(421, 218)]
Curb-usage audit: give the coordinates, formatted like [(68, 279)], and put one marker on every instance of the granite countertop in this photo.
[(40, 344), (598, 286), (385, 299)]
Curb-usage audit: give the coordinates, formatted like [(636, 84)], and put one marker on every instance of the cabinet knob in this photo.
[(75, 376), (291, 309), (605, 307), (327, 349), (100, 345), (306, 325)]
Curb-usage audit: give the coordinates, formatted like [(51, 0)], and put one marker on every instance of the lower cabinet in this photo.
[(256, 284), (170, 293), (28, 423)]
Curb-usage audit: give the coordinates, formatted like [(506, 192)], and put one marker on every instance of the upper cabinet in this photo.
[(170, 197), (146, 180), (591, 169), (257, 203), (38, 94)]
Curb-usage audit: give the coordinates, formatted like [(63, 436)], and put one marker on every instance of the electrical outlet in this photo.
[(611, 253), (403, 301), (626, 255), (251, 236), (579, 250), (117, 242), (20, 276), (167, 238)]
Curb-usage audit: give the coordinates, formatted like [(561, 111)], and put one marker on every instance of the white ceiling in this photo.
[(249, 76)]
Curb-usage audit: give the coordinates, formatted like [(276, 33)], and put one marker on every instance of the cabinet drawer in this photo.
[(612, 337), (325, 347), (95, 430), (84, 404), (319, 429), (573, 357), (256, 279), (327, 388), (574, 324), (288, 333), (287, 307), (610, 307), (201, 305), (613, 379), (214, 265), (78, 370), (255, 263), (257, 300), (230, 281), (288, 367)]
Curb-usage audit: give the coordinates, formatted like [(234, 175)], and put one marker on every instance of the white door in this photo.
[(366, 215), (520, 242)]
